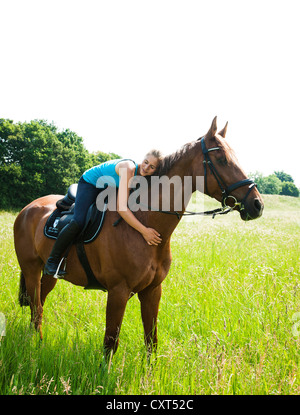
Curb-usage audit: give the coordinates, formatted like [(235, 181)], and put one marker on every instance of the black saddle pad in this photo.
[(59, 219)]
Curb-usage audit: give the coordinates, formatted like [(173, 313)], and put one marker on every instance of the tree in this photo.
[(36, 160), (101, 157), (289, 189), (284, 177), (272, 185)]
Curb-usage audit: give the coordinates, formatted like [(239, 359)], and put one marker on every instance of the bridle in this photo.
[(226, 190)]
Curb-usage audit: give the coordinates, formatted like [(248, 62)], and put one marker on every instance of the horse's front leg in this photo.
[(149, 299), (115, 308)]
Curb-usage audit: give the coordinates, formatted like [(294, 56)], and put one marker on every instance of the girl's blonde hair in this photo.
[(160, 157), (157, 154)]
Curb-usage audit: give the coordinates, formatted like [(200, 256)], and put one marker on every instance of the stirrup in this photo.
[(59, 274)]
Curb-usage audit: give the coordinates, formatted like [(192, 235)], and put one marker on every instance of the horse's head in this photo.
[(224, 178)]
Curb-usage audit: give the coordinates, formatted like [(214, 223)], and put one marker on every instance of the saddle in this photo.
[(62, 215), (68, 201)]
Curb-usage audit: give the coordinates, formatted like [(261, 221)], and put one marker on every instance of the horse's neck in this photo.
[(182, 170)]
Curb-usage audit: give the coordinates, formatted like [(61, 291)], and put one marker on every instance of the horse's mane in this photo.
[(170, 160)]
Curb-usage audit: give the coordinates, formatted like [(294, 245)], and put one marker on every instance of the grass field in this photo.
[(227, 322)]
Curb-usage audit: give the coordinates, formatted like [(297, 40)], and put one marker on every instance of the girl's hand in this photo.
[(151, 236)]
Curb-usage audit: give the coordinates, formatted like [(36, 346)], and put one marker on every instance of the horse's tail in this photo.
[(23, 296)]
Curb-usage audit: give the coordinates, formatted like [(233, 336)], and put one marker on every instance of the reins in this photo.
[(226, 190), (219, 211)]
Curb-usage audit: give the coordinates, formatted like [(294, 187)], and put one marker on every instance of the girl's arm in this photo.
[(126, 172)]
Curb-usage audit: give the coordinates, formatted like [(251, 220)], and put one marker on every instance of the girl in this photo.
[(121, 170)]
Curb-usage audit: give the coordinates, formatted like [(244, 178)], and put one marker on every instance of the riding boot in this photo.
[(63, 241)]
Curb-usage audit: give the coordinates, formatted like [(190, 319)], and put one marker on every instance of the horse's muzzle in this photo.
[(253, 209)]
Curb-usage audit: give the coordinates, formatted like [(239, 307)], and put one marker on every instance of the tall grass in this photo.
[(225, 323)]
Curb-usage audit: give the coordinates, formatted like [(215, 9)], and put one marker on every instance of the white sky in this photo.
[(132, 75)]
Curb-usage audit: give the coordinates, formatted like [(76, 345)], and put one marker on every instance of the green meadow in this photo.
[(228, 319)]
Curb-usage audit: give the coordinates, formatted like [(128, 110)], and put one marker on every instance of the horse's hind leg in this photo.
[(47, 285), (32, 275)]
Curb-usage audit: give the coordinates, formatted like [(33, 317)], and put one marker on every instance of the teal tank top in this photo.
[(105, 173)]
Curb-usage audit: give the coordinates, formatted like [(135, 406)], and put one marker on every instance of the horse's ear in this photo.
[(213, 129), (223, 132)]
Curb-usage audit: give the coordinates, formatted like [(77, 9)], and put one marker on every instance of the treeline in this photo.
[(278, 183), (36, 160)]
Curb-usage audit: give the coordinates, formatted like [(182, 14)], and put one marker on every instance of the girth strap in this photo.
[(93, 283)]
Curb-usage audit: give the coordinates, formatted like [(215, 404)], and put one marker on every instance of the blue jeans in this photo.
[(85, 196)]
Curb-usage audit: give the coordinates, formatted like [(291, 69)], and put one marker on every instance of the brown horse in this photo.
[(120, 259)]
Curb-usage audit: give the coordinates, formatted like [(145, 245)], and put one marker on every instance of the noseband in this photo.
[(226, 190)]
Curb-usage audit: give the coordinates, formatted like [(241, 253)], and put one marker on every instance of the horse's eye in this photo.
[(222, 161)]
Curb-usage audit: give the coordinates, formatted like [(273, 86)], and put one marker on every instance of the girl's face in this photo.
[(149, 165)]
